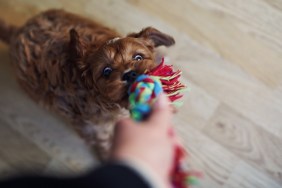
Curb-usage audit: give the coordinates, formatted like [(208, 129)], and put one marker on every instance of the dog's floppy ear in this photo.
[(77, 53), (76, 45), (157, 37)]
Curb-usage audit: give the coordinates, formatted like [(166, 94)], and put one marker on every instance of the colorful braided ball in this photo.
[(142, 94)]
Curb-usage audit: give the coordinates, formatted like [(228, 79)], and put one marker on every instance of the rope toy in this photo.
[(143, 93), (142, 96), (169, 80)]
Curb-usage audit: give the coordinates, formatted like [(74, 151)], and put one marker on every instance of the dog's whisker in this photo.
[(127, 71)]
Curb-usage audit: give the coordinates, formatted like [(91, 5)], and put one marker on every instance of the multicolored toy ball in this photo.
[(143, 93)]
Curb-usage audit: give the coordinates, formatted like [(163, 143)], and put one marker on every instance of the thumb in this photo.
[(161, 114), (123, 124)]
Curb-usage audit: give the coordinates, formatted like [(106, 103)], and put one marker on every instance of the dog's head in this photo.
[(110, 69)]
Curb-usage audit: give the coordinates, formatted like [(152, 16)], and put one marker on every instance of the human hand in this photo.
[(150, 142)]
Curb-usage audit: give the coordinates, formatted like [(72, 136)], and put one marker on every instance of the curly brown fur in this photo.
[(60, 57)]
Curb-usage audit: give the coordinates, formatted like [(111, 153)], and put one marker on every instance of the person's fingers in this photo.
[(161, 114), (177, 141), (123, 124), (124, 121)]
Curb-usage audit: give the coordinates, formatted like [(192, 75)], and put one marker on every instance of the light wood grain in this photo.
[(207, 156), (246, 176), (251, 143), (231, 57), (29, 158)]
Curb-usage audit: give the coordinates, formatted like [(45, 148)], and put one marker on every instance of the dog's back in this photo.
[(41, 54)]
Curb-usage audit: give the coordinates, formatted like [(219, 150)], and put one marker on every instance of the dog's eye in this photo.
[(138, 57), (107, 71)]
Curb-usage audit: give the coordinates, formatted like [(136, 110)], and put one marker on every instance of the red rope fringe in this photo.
[(169, 79)]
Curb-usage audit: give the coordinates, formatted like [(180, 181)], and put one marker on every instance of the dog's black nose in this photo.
[(130, 76)]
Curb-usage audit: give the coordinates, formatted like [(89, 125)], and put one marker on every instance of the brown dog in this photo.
[(80, 68)]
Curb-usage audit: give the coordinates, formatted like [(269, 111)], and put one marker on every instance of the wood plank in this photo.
[(19, 152), (198, 106), (206, 156), (229, 84), (256, 18), (247, 140), (59, 168), (245, 176), (50, 134), (277, 4)]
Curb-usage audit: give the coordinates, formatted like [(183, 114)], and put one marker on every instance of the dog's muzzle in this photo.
[(130, 77)]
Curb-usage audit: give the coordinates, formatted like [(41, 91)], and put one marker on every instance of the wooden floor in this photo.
[(231, 123)]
